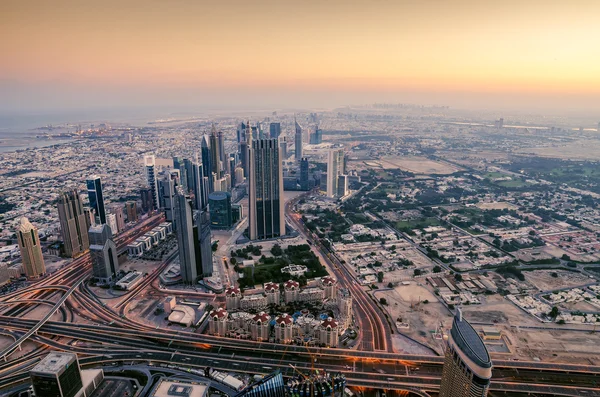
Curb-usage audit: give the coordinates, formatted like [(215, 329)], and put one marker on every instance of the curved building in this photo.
[(467, 364), (31, 250), (219, 204)]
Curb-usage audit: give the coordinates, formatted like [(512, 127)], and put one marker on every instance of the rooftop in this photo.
[(470, 342), (54, 363)]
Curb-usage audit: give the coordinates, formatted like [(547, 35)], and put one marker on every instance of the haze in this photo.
[(528, 55)]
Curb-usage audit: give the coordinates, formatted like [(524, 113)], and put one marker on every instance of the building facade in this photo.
[(335, 162), (57, 375), (31, 250), (266, 200), (185, 237), (103, 251), (96, 198), (298, 141), (220, 210), (151, 172), (467, 363), (73, 226)]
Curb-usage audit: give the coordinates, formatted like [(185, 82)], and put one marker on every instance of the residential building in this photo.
[(232, 298), (328, 333), (151, 172), (273, 293), (335, 162), (284, 328), (217, 322)]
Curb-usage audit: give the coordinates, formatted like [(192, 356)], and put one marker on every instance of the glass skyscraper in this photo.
[(266, 217), (220, 210), (94, 188), (270, 386)]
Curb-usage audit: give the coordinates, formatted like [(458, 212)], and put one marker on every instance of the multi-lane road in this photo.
[(131, 341)]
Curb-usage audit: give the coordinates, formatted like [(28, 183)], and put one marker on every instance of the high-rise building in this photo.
[(318, 136), (335, 162), (57, 375), (103, 251), (266, 200), (342, 185), (269, 386), (304, 184), (166, 190), (222, 155), (215, 153), (467, 363), (206, 162), (241, 132), (203, 244), (274, 130), (298, 140), (131, 209), (146, 195), (283, 147), (150, 164), (111, 221), (185, 237), (94, 188), (31, 250), (117, 210), (199, 186), (73, 226), (220, 210), (89, 217)]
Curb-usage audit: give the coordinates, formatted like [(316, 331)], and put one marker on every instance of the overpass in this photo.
[(17, 344)]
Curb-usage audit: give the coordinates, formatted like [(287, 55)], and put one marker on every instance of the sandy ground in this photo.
[(500, 205), (418, 165), (543, 280), (581, 149)]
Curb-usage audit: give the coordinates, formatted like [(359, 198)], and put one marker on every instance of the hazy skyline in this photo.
[(508, 54)]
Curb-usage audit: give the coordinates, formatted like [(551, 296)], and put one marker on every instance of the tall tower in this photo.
[(150, 164), (185, 237), (166, 190), (57, 374), (31, 250), (73, 226), (202, 244), (94, 188), (222, 155), (105, 264), (274, 130), (335, 162), (266, 201), (215, 155), (206, 163), (298, 140), (304, 185), (244, 148), (467, 363)]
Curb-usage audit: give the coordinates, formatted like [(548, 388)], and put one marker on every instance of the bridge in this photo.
[(17, 344)]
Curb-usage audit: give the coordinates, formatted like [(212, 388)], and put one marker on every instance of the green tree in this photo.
[(437, 269)]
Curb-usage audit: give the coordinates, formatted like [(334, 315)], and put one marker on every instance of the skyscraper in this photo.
[(467, 363), (342, 185), (335, 161), (185, 237), (105, 264), (244, 147), (94, 188), (265, 194), (215, 155), (274, 130), (131, 210), (203, 244), (146, 195), (31, 250), (220, 210), (222, 155), (117, 210), (57, 375), (166, 190), (298, 140), (73, 226), (206, 163), (283, 147), (271, 385), (232, 164), (150, 164), (304, 184)]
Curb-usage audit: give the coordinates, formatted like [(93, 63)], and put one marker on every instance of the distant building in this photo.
[(166, 191), (150, 166), (317, 137), (467, 364), (117, 210), (304, 181), (283, 147), (103, 251), (73, 225), (31, 250), (215, 153), (203, 244), (335, 162), (273, 293), (266, 200), (342, 185), (274, 130), (146, 196), (131, 210), (111, 221), (94, 188), (220, 210), (237, 212), (298, 140)]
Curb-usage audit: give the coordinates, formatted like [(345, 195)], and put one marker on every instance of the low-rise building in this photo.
[(273, 294), (233, 296), (217, 322)]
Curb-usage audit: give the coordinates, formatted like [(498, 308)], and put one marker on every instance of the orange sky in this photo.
[(541, 48)]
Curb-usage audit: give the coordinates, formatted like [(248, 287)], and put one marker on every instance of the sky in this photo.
[(77, 54)]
